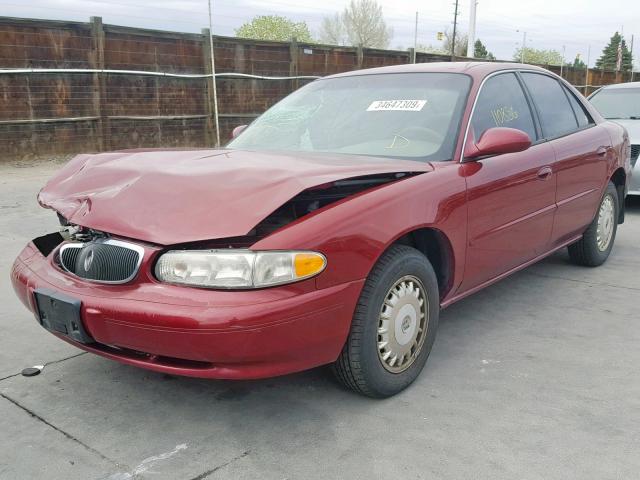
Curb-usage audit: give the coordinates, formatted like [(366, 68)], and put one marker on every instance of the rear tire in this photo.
[(594, 247), (396, 317)]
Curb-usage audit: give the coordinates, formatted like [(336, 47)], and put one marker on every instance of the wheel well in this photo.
[(619, 179), (436, 247)]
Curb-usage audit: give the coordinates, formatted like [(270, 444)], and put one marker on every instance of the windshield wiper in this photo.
[(631, 117)]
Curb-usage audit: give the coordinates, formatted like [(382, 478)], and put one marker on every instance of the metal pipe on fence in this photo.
[(155, 74), (123, 117), (213, 78)]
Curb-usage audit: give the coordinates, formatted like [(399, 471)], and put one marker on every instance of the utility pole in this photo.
[(453, 38), (415, 39), (213, 78), (586, 74), (524, 45), (472, 29), (632, 61), (564, 48)]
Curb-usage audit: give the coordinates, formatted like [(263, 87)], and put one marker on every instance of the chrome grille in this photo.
[(104, 261), (635, 151)]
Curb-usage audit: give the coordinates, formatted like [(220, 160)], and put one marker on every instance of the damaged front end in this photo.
[(201, 218), (96, 256)]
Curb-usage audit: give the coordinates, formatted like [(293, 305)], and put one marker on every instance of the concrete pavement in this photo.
[(536, 377)]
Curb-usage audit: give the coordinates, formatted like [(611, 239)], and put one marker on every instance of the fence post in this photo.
[(99, 84), (586, 81), (209, 131), (293, 63)]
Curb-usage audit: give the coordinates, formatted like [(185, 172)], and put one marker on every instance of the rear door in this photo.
[(511, 197), (581, 148)]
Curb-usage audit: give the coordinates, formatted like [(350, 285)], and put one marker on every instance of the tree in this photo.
[(361, 23), (609, 58), (538, 56), (480, 51), (460, 49), (333, 30), (578, 63), (430, 49), (274, 27)]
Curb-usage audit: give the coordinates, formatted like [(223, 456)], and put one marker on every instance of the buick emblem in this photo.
[(88, 260)]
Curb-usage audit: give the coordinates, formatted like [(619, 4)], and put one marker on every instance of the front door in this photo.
[(511, 197)]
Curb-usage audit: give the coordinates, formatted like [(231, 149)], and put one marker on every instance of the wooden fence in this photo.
[(59, 113)]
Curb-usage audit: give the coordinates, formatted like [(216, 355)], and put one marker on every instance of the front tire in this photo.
[(596, 244), (394, 325)]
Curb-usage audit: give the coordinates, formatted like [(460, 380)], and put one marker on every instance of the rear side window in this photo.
[(583, 117), (554, 110), (502, 103)]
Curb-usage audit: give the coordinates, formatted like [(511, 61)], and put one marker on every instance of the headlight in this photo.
[(237, 268)]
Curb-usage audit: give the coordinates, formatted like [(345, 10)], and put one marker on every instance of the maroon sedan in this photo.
[(332, 230)]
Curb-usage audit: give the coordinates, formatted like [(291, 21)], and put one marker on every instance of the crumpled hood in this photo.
[(177, 196)]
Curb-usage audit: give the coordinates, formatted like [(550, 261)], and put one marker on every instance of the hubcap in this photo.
[(606, 219), (402, 324)]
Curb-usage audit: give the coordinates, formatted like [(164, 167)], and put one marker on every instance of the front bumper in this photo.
[(199, 332)]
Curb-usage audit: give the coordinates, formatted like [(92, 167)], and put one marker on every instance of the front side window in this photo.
[(404, 115), (555, 112), (617, 103), (502, 103)]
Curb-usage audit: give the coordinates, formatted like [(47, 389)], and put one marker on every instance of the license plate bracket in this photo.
[(60, 314)]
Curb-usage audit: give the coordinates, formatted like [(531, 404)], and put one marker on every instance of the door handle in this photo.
[(602, 151), (544, 173)]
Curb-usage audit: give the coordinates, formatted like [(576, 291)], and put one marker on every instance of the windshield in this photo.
[(618, 103), (405, 115)]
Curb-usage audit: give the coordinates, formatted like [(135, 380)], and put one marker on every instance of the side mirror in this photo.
[(497, 141), (238, 130)]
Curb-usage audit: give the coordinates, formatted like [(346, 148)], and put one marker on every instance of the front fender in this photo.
[(355, 232)]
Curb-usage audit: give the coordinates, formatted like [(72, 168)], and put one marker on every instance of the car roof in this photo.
[(474, 69), (617, 86)]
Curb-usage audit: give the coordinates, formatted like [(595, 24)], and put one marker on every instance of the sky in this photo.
[(550, 24)]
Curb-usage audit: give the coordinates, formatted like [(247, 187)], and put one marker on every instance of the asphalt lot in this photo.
[(537, 377)]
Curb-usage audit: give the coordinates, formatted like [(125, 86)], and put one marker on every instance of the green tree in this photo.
[(578, 63), (480, 51), (274, 27), (609, 58), (538, 56)]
